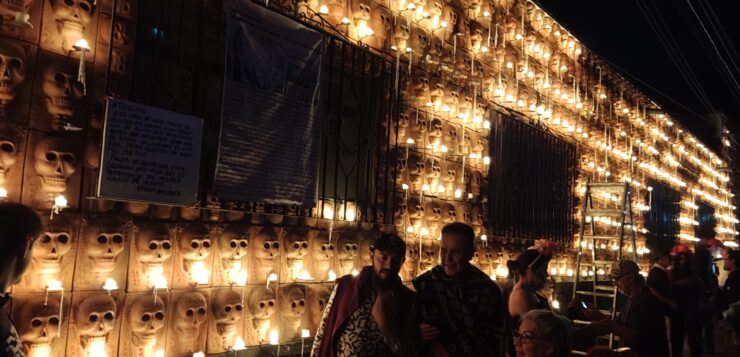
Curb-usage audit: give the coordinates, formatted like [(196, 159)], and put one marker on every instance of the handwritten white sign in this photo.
[(149, 154)]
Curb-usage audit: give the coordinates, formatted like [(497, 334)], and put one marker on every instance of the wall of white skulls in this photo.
[(138, 279)]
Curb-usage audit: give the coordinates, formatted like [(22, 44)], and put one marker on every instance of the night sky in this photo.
[(619, 32)]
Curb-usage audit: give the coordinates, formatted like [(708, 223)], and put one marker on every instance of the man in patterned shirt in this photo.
[(19, 227), (463, 312), (373, 313)]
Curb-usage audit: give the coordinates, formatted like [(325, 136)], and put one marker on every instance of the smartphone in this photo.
[(583, 305)]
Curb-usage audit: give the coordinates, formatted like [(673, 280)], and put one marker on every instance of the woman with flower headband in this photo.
[(531, 268)]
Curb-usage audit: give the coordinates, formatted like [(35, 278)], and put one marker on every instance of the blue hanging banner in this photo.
[(270, 133)]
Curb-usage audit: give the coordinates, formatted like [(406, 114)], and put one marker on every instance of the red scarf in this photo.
[(346, 300)]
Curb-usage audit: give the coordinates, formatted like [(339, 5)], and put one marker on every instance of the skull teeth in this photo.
[(62, 102)]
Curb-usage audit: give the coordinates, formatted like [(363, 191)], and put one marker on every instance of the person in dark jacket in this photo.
[(373, 313), (463, 310), (19, 228)]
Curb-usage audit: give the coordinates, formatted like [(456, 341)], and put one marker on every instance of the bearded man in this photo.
[(373, 313)]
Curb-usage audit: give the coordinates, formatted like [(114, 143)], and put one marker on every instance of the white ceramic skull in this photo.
[(449, 213), (147, 317), (432, 170), (228, 310), (55, 161), (296, 243), (318, 296), (12, 72), (364, 251), (266, 250), (416, 209), (436, 129), (195, 242), (8, 151), (292, 302), (71, 17), (408, 269), (401, 210), (360, 11), (261, 303), (153, 244), (61, 90), (347, 247), (323, 252), (428, 255), (233, 242), (56, 241), (347, 250), (104, 242), (95, 318), (433, 212), (190, 314), (39, 324)]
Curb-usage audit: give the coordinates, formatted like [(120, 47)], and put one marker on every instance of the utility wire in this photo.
[(702, 41), (687, 67), (731, 81), (675, 55), (723, 38)]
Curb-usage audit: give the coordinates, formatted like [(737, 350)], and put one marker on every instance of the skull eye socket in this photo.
[(266, 245), (36, 323), (63, 238), (14, 63), (304, 245), (275, 245), (69, 158), (45, 238), (293, 304), (321, 303), (84, 6), (54, 321), (102, 239), (271, 303), (194, 244), (206, 244), (50, 156), (153, 246), (93, 318), (238, 307), (8, 148), (202, 311), (233, 244), (227, 308), (302, 302), (262, 305), (109, 316), (166, 245), (146, 317), (243, 244), (296, 245), (159, 316), (60, 77), (190, 312), (118, 239)]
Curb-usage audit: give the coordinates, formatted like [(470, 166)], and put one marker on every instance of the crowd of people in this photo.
[(455, 309)]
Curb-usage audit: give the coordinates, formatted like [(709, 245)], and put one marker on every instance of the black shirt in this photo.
[(658, 280), (10, 342), (644, 313), (730, 292)]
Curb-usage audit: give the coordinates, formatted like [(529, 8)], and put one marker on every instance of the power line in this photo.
[(733, 85), (675, 54)]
